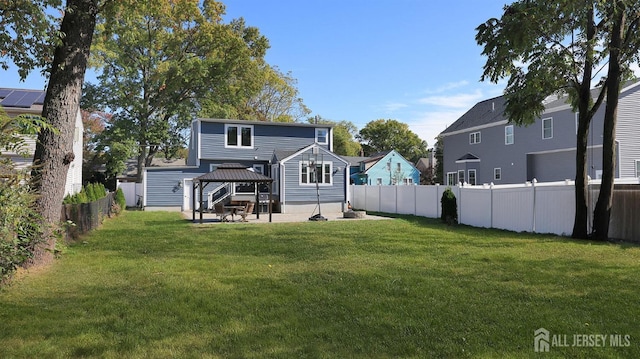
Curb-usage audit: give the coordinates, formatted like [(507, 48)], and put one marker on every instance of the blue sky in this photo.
[(415, 61)]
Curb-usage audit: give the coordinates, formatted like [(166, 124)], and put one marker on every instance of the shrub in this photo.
[(449, 207), (120, 199)]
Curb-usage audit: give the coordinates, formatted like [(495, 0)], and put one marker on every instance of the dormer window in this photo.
[(322, 136)]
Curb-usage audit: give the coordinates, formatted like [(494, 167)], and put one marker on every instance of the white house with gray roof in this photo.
[(482, 146)]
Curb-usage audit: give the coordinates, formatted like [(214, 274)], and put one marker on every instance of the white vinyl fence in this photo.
[(132, 191), (531, 207)]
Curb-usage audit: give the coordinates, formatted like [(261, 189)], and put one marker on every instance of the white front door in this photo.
[(186, 194)]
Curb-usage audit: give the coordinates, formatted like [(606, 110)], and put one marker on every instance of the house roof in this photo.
[(492, 110), (354, 160), (482, 113), (21, 98), (468, 157), (233, 172), (266, 123)]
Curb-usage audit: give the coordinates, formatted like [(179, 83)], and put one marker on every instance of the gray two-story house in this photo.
[(482, 146), (294, 155)]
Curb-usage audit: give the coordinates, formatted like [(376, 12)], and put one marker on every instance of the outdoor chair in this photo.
[(248, 209), (221, 212)]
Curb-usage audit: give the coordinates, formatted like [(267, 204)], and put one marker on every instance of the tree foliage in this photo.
[(549, 48), (20, 228), (28, 28), (277, 100), (344, 133), (385, 135), (159, 59)]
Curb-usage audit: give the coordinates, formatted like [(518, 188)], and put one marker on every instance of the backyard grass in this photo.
[(151, 285)]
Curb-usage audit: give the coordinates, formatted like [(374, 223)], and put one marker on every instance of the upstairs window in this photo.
[(322, 136), (508, 135), (547, 128), (239, 136), (474, 138)]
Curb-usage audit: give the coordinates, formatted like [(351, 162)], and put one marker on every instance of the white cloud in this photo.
[(390, 107), (463, 100), (448, 86), (428, 125)]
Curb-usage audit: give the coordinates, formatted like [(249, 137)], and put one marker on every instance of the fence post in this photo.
[(533, 183), (491, 204)]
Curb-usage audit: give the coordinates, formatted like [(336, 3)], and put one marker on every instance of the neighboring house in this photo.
[(427, 167), (17, 102), (483, 147), (386, 168), (282, 151)]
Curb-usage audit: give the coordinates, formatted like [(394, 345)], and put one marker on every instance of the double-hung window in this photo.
[(474, 138), (547, 128), (322, 136), (451, 179), (238, 136), (508, 135), (497, 174), (472, 177), (320, 173)]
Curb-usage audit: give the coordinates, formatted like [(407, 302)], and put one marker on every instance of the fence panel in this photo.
[(388, 199), (475, 206), (86, 216), (373, 198), (406, 199), (555, 209), (513, 209), (427, 201)]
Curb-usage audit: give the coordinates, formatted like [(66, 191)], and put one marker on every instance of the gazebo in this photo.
[(230, 172)]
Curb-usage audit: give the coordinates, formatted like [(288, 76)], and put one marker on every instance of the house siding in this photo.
[(379, 170), (266, 139), (530, 156), (627, 133), (162, 189), (295, 192)]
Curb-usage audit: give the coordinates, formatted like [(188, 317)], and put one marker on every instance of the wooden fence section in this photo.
[(529, 207)]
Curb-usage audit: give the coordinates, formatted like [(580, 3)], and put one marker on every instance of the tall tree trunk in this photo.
[(602, 213), (582, 211), (580, 224), (54, 151)]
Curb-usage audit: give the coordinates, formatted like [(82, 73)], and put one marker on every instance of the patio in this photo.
[(210, 218)]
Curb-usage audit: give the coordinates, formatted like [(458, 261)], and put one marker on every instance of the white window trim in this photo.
[(326, 137), (550, 119), (309, 183), (472, 137), (475, 178), (497, 170), (240, 127), (506, 136), (453, 175)]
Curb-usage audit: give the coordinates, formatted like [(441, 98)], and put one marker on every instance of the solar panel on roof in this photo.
[(28, 99), (40, 99), (21, 98), (5, 92)]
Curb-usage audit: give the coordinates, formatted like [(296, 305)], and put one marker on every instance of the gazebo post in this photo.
[(270, 199), (200, 207), (258, 200), (193, 200)]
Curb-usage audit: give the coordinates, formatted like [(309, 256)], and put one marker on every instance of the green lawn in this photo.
[(151, 285)]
